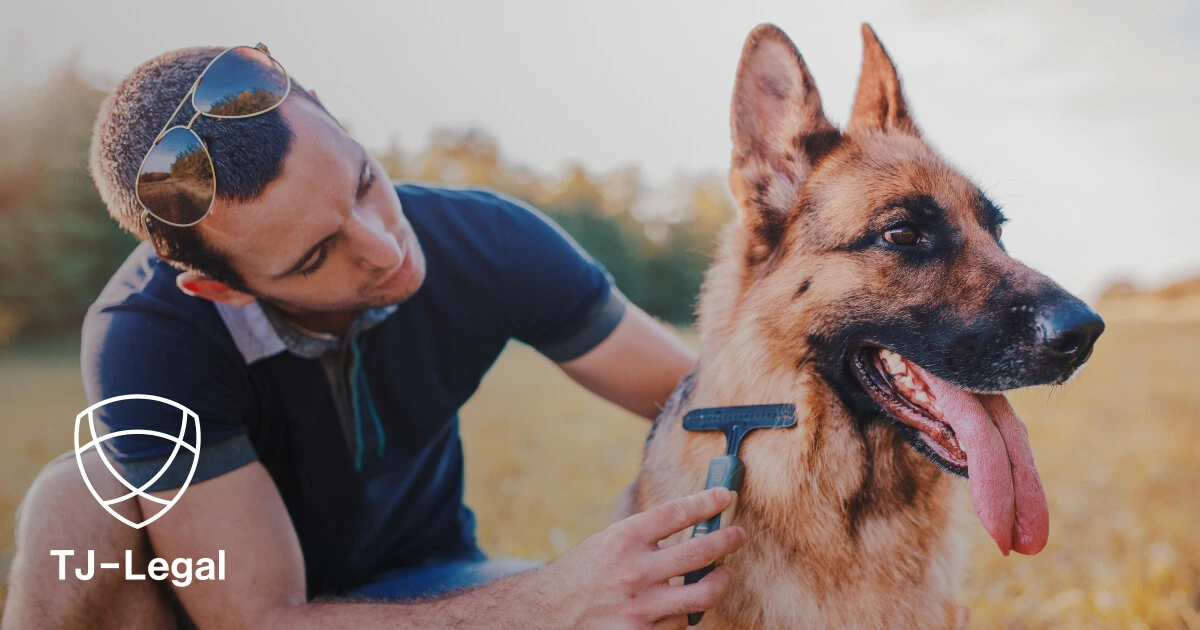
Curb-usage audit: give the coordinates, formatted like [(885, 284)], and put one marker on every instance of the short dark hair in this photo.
[(247, 153)]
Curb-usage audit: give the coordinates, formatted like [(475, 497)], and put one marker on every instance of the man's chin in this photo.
[(400, 288), (381, 296), (386, 299), (376, 300)]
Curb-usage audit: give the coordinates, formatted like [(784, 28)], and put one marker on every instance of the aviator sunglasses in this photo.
[(176, 183)]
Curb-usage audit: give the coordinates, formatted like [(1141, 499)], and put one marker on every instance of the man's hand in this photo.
[(618, 577), (615, 579)]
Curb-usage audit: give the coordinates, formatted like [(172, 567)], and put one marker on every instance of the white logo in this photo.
[(187, 414)]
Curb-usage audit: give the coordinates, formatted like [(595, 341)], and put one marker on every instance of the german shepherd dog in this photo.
[(865, 282)]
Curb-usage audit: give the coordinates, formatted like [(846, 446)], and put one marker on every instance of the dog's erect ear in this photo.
[(879, 104), (779, 131)]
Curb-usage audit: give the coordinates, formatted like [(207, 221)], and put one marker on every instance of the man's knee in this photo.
[(59, 507), (59, 512)]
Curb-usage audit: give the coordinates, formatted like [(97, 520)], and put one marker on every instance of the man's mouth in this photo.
[(971, 434)]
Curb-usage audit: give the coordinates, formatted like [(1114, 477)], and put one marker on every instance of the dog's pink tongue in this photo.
[(1005, 486), (1032, 516)]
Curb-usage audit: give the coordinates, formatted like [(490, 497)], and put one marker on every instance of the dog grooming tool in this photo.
[(728, 469)]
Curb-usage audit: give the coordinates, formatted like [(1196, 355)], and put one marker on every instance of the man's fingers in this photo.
[(671, 601), (695, 553), (656, 524)]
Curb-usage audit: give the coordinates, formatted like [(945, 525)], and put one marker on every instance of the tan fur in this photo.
[(848, 526)]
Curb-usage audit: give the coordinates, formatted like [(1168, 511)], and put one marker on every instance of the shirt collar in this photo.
[(260, 330)]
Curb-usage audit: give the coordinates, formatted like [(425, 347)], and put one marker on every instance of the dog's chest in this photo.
[(802, 585)]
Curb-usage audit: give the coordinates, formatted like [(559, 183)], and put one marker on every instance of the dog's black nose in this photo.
[(1070, 330)]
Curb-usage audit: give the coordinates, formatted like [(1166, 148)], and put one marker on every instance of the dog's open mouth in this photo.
[(975, 435), (904, 394)]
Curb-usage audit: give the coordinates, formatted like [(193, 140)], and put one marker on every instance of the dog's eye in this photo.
[(999, 231), (904, 235)]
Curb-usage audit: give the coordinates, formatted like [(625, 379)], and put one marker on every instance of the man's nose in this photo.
[(375, 246), (1069, 331)]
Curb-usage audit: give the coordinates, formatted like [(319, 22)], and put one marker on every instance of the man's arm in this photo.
[(637, 366), (614, 579)]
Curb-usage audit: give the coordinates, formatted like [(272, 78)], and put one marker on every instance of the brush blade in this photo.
[(746, 417)]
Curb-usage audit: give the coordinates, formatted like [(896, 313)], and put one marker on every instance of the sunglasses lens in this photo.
[(176, 183), (242, 82)]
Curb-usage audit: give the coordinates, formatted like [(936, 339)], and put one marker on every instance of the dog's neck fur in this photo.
[(830, 492), (737, 366)]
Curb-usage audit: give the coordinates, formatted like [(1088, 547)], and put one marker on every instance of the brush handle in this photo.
[(727, 471)]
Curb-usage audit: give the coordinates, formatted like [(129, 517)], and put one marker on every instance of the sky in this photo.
[(1077, 118)]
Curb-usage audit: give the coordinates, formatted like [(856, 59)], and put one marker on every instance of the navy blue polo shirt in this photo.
[(360, 434)]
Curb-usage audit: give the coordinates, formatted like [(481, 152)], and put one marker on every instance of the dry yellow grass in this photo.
[(1118, 449)]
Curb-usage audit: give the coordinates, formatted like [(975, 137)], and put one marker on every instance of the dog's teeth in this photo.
[(920, 396), (893, 361)]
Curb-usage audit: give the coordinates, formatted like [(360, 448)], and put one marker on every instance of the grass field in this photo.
[(1118, 449)]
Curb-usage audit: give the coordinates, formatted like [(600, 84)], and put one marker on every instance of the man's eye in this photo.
[(999, 231), (318, 259), (368, 179), (904, 235)]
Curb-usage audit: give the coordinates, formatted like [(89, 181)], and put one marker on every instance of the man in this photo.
[(326, 326)]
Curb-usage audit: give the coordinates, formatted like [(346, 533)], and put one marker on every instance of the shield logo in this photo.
[(187, 418)]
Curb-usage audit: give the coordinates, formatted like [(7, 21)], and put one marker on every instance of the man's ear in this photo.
[(198, 285), (779, 133), (879, 104)]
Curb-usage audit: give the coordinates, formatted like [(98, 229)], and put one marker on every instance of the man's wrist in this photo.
[(544, 591)]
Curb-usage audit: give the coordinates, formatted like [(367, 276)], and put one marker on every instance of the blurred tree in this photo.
[(193, 165), (392, 159), (656, 244), (244, 103), (58, 246)]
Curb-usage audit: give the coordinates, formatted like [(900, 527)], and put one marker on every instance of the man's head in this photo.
[(303, 217)]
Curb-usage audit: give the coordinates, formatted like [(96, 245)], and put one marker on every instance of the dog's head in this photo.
[(886, 270)]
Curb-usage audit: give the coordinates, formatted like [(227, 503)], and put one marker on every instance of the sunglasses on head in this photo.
[(176, 183)]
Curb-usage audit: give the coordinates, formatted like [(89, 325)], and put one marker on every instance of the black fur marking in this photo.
[(769, 224), (864, 240), (806, 80), (923, 207), (803, 288), (770, 228), (760, 191), (876, 496), (859, 503), (819, 145)]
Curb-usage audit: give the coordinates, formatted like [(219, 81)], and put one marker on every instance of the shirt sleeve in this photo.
[(559, 300), (131, 352)]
